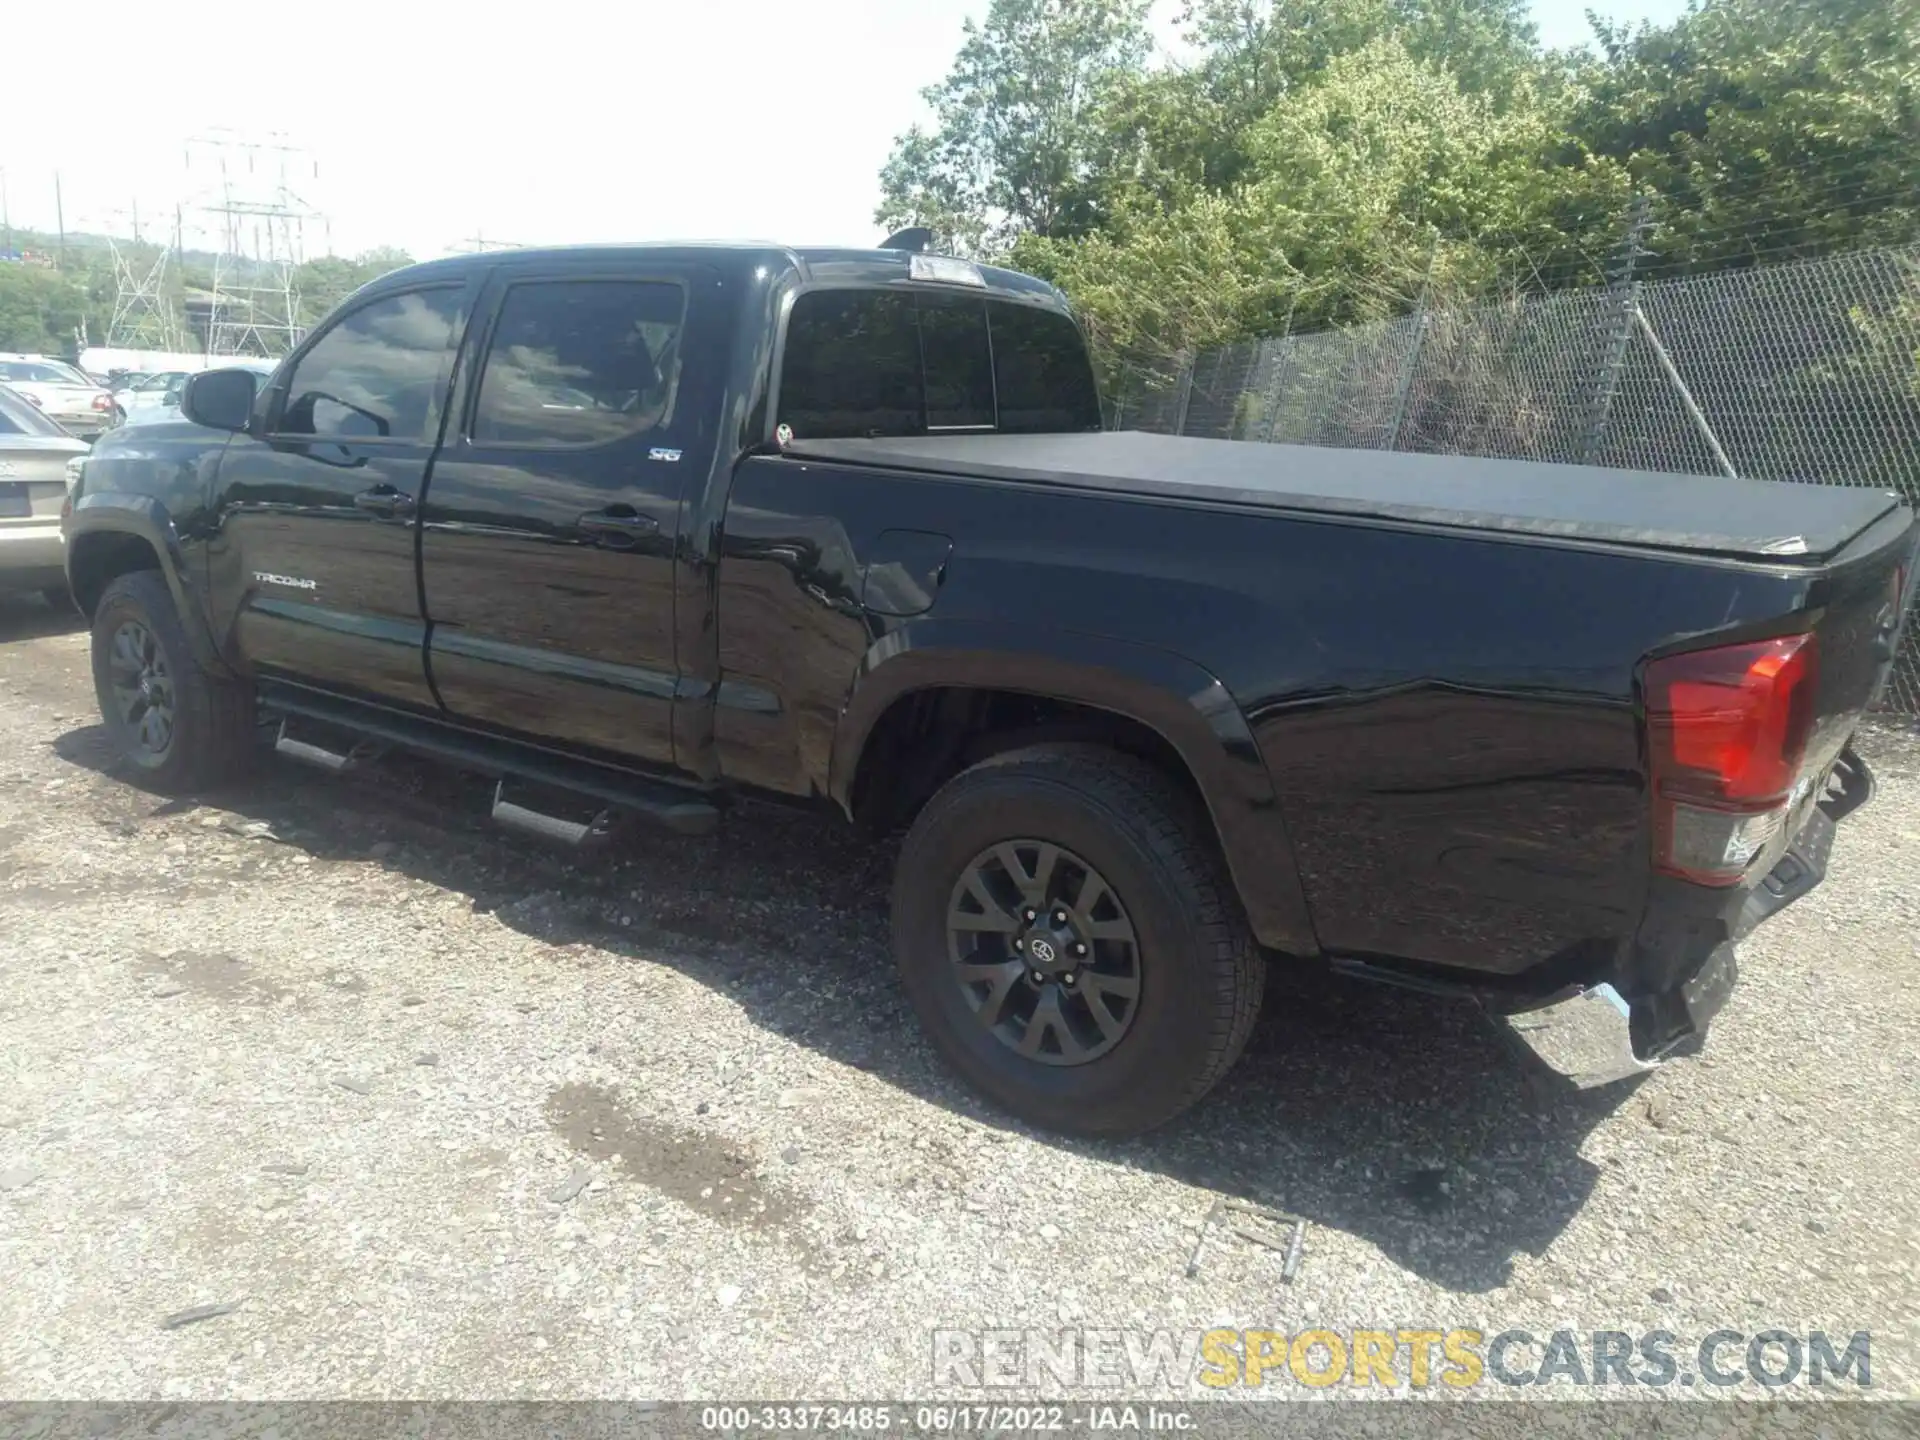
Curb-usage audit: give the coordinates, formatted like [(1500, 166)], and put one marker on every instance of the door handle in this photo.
[(618, 525), (384, 501)]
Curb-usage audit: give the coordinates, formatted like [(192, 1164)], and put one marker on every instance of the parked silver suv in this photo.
[(34, 457)]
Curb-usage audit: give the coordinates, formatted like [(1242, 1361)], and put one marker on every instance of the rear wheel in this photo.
[(176, 723), (1068, 936)]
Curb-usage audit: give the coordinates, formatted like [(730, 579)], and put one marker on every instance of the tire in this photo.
[(1197, 974), (209, 732)]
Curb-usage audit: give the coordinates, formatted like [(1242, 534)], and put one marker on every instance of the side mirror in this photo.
[(219, 399)]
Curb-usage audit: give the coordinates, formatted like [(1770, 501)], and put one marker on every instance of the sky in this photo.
[(413, 124)]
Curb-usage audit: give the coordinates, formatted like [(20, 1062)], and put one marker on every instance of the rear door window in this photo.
[(581, 362), (376, 374), (896, 362)]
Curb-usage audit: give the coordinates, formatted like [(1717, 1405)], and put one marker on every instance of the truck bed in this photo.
[(1704, 514)]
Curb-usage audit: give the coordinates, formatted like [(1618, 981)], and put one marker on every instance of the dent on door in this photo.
[(904, 571)]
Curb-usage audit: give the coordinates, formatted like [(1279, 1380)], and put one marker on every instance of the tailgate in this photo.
[(1860, 612), (1737, 836), (1860, 624), (1747, 734)]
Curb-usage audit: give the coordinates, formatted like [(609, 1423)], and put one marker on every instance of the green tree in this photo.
[(1016, 138), (1157, 282), (1391, 176), (1379, 181), (1321, 161), (1763, 129), (326, 281), (41, 309), (1185, 126)]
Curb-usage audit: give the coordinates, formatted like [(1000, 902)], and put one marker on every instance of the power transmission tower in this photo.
[(478, 244), (145, 315), (259, 222)]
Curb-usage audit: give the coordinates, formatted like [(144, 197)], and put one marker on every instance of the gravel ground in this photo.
[(447, 1115)]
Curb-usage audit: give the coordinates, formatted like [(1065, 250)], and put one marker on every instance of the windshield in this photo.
[(42, 372), (17, 417)]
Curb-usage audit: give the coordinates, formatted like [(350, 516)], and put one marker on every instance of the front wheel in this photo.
[(175, 722), (1067, 934)]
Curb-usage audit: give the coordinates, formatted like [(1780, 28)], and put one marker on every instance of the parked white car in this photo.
[(60, 392), (149, 397), (148, 401)]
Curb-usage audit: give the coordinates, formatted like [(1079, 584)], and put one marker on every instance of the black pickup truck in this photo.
[(632, 530)]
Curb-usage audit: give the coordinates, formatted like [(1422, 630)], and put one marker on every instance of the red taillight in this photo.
[(103, 402), (1732, 725), (1727, 731)]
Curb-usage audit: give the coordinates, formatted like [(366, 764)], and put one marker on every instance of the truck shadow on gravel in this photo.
[(28, 617), (1405, 1121)]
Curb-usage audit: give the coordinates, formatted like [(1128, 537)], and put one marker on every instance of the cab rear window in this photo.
[(900, 362)]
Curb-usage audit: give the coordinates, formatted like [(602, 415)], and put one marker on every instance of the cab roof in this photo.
[(812, 264)]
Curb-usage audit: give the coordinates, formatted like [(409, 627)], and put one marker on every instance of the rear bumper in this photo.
[(31, 554), (1804, 865), (1595, 1035), (89, 426), (1589, 1035)]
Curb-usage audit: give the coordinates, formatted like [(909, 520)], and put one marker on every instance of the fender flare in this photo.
[(108, 512), (1179, 700)]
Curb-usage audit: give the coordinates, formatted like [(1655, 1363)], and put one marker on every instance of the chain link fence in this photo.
[(1804, 371)]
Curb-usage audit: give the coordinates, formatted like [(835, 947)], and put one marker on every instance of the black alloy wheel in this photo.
[(1044, 951), (142, 687), (179, 722), (1069, 938)]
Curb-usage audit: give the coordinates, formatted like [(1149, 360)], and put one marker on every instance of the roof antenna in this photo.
[(916, 239)]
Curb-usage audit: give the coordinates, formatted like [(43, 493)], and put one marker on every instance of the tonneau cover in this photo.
[(1757, 519)]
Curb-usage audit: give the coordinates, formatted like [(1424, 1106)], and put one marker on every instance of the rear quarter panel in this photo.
[(1452, 722), (1449, 721)]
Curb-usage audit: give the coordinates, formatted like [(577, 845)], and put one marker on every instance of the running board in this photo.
[(681, 809), (334, 762), (542, 826)]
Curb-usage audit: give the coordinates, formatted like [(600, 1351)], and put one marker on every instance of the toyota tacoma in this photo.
[(634, 530)]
